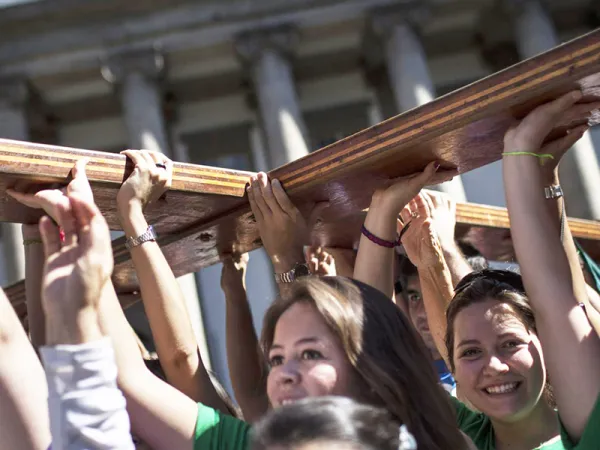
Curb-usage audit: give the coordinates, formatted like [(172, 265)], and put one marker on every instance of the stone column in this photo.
[(579, 170), (267, 54), (13, 125), (406, 62), (137, 76)]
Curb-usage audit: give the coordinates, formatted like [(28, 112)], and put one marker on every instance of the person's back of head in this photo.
[(330, 423)]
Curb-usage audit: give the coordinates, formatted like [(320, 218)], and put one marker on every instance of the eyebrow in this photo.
[(307, 340), (468, 342)]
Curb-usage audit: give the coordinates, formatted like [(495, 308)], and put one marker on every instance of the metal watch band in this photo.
[(299, 270), (285, 277), (148, 235), (553, 191)]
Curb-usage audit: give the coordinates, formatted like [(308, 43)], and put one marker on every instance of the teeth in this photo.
[(502, 388), (287, 402)]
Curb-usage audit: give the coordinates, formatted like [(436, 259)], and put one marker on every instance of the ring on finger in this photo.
[(414, 214), (161, 166)]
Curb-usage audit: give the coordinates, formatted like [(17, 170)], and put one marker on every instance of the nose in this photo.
[(495, 366), (289, 373)]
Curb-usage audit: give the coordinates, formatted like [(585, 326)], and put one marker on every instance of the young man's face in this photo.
[(416, 311)]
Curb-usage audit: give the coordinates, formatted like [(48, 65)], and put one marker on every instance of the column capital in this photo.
[(282, 39), (414, 13), (149, 62), (14, 91)]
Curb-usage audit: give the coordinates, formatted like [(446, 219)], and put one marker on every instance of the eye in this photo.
[(275, 360), (414, 297), (470, 353), (311, 355), (513, 343)]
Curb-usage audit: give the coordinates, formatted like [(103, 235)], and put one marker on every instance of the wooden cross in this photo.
[(206, 212)]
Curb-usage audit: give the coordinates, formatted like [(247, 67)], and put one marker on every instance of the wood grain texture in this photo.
[(206, 214)]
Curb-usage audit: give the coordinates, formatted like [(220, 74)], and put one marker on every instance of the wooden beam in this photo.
[(206, 213)]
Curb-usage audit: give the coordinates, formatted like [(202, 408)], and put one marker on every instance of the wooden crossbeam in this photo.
[(206, 212)]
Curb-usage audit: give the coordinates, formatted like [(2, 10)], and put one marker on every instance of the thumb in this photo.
[(560, 146)]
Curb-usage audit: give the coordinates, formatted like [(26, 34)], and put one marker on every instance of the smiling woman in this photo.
[(498, 363), (336, 336)]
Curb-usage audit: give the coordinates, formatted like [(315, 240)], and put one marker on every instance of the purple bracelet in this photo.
[(377, 240)]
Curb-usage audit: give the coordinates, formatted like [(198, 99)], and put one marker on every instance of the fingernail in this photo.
[(276, 181), (437, 165), (577, 94)]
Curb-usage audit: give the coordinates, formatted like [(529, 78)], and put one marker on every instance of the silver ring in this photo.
[(161, 166), (414, 214)]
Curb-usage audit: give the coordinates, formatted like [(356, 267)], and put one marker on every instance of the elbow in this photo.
[(181, 360)]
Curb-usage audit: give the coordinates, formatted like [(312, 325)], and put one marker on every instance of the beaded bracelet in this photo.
[(540, 156), (377, 240), (27, 242)]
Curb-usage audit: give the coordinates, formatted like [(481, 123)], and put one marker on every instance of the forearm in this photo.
[(161, 415), (456, 262), (548, 280), (244, 357), (87, 409), (375, 263), (34, 270), (24, 420), (169, 320), (437, 290)]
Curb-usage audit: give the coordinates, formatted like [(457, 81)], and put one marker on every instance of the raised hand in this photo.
[(76, 271), (399, 191), (320, 262), (283, 229), (233, 276), (420, 238), (530, 133), (50, 199)]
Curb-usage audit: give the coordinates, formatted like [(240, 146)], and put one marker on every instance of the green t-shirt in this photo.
[(218, 431), (479, 428)]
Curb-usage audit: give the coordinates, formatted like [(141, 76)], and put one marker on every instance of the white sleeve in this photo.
[(87, 409)]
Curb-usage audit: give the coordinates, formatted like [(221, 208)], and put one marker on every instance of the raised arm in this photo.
[(567, 337), (79, 361), (283, 229), (421, 242), (375, 259), (443, 215), (24, 423), (163, 300), (247, 367)]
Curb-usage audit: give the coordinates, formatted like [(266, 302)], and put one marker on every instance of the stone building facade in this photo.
[(253, 84)]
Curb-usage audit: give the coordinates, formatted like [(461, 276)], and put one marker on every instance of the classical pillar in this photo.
[(406, 62), (13, 125), (267, 54), (579, 170), (137, 76)]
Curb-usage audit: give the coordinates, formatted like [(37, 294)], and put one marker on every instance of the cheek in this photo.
[(466, 372), (323, 379)]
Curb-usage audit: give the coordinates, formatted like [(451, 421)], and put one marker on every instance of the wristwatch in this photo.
[(553, 191), (148, 235), (299, 270)]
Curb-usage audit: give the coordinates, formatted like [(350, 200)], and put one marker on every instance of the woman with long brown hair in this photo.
[(338, 336)]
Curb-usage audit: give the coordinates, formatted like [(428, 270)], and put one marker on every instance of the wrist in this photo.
[(285, 263), (72, 326), (134, 223)]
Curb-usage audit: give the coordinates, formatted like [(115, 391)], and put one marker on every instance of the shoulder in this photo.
[(474, 424), (218, 431), (591, 435)]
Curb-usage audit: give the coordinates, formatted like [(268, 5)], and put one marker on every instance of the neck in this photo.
[(538, 427)]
